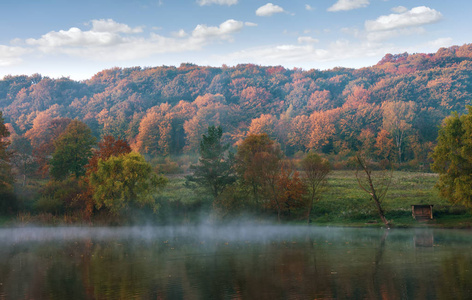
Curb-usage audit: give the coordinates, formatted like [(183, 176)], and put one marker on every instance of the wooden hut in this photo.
[(422, 212)]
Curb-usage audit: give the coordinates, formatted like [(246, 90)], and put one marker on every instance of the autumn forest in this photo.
[(391, 112)]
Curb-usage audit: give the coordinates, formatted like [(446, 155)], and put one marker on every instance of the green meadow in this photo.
[(343, 202)]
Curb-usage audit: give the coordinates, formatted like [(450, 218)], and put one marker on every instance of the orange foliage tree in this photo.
[(266, 123), (194, 128), (272, 183), (322, 129), (154, 131), (397, 119), (290, 189)]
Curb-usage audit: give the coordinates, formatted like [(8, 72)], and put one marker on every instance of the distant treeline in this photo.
[(394, 107)]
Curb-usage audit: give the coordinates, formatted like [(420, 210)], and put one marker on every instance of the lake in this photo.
[(234, 262)]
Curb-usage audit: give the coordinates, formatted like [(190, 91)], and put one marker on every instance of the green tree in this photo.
[(60, 196), (453, 158), (109, 146), (6, 178), (22, 156), (315, 171), (123, 181), (8, 201), (73, 148), (214, 170)]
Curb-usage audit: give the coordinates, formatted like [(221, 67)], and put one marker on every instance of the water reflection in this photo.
[(240, 262), (424, 239)]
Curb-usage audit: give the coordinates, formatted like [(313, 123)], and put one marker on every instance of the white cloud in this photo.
[(120, 43), (309, 55), (307, 40), (103, 33), (348, 5), (268, 10), (390, 34), (378, 36), (223, 31), (309, 7), (111, 26), (181, 33), (11, 55), (220, 2), (250, 24), (441, 42), (399, 9), (415, 17), (76, 37)]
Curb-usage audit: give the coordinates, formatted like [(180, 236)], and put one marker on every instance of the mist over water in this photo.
[(232, 232), (237, 260)]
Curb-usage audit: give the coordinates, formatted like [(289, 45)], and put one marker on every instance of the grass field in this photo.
[(344, 202)]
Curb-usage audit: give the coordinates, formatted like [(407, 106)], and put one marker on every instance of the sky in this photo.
[(77, 39)]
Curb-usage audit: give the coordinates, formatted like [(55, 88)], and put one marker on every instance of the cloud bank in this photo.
[(109, 40), (268, 10), (219, 2), (11, 55), (343, 5), (417, 16)]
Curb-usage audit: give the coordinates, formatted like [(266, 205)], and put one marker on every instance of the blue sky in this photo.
[(77, 39)]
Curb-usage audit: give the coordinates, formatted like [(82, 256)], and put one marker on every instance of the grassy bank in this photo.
[(344, 203)]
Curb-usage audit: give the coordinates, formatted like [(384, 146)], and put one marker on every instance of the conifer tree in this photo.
[(7, 199), (214, 170)]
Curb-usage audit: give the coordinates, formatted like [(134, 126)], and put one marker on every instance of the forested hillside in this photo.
[(394, 107)]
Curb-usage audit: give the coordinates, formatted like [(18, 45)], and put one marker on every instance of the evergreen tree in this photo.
[(214, 170), (7, 199), (6, 178)]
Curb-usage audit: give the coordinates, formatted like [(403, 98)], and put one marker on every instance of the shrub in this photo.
[(59, 197), (8, 203)]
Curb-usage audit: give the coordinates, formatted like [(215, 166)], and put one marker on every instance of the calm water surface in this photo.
[(234, 262)]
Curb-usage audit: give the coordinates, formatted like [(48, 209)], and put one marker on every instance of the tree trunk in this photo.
[(310, 208), (380, 211), (399, 140), (375, 193), (278, 206), (309, 213)]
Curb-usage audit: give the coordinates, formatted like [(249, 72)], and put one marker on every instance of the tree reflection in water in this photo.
[(295, 262)]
